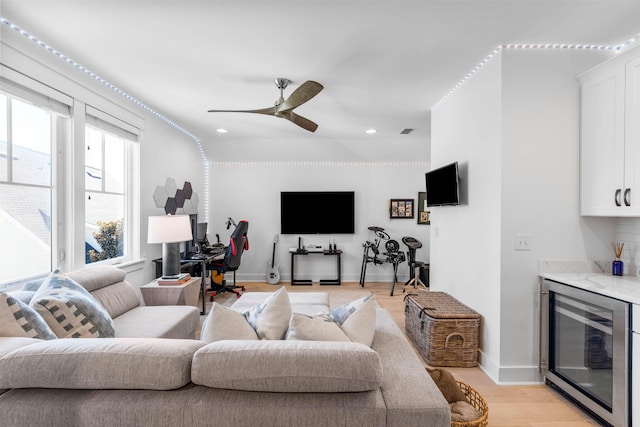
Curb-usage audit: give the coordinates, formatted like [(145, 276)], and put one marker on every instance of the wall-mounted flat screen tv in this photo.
[(317, 212), (443, 186)]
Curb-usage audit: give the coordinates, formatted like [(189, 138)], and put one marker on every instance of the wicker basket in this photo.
[(444, 330), (478, 402)]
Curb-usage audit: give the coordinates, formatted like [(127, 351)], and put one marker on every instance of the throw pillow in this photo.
[(270, 319), (70, 310), (447, 385), (17, 319), (33, 285), (357, 319), (464, 412), (314, 328), (24, 296), (223, 323)]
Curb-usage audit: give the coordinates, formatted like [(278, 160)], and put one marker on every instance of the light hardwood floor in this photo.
[(527, 405)]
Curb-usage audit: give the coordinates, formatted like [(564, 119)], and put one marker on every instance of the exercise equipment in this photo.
[(393, 254)]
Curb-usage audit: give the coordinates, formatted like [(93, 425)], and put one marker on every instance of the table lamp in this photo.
[(170, 230)]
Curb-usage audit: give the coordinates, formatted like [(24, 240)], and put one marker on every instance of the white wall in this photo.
[(540, 196), (251, 191), (516, 121), (465, 239), (164, 153)]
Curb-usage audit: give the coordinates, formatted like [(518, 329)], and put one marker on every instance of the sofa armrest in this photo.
[(409, 392)]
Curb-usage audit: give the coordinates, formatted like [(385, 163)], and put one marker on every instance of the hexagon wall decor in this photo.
[(176, 200)]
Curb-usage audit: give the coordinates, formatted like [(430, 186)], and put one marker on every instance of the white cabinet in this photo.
[(610, 140)]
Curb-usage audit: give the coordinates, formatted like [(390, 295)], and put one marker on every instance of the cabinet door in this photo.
[(602, 141), (631, 192)]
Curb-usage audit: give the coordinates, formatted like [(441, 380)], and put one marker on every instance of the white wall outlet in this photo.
[(522, 242)]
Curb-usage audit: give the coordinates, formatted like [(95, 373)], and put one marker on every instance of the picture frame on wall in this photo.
[(423, 211), (401, 208)]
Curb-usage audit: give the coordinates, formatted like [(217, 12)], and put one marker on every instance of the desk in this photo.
[(201, 263), (185, 294), (299, 282)]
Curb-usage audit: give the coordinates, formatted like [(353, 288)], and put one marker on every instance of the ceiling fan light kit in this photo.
[(283, 108)]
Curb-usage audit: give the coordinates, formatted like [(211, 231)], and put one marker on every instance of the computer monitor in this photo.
[(201, 232), (190, 245)]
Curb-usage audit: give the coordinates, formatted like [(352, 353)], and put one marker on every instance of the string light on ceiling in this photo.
[(586, 47)]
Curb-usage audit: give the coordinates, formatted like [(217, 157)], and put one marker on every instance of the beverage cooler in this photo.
[(585, 349), (635, 373)]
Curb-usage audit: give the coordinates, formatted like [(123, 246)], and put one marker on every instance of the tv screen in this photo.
[(442, 186), (317, 212)]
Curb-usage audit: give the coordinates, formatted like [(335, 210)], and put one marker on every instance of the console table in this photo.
[(306, 282)]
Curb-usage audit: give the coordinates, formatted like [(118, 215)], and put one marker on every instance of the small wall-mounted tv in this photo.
[(317, 212), (443, 187)]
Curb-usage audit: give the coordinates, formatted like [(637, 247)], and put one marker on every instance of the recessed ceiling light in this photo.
[(371, 131), (221, 130)]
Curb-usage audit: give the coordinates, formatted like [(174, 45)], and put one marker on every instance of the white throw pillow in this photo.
[(17, 319), (223, 323), (314, 328), (70, 310), (357, 319), (270, 319)]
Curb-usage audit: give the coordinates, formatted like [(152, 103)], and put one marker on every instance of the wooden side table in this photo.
[(185, 294)]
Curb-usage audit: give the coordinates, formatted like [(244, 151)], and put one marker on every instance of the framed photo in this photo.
[(423, 211), (401, 208)]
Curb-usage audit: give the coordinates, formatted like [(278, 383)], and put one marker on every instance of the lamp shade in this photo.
[(169, 229)]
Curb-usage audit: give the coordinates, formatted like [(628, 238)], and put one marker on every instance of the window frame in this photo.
[(67, 184)]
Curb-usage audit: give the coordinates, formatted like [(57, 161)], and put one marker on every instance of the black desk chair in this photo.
[(415, 267), (238, 243)]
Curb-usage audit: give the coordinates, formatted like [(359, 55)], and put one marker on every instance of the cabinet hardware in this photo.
[(627, 202), (617, 197)]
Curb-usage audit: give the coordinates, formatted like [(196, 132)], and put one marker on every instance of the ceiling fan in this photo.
[(283, 108)]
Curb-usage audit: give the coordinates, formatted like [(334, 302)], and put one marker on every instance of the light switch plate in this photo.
[(522, 242)]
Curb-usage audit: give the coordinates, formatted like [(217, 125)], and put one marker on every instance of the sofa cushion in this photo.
[(162, 321), (117, 298), (314, 328), (270, 319), (109, 286), (100, 363), (357, 319), (17, 319), (223, 323), (8, 344), (70, 310), (287, 366), (96, 277)]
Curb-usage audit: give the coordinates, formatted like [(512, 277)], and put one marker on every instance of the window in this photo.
[(26, 143), (105, 190)]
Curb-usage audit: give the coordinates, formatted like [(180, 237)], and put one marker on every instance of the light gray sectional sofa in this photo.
[(149, 381)]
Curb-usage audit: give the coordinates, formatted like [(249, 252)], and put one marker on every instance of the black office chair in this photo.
[(238, 243), (415, 267)]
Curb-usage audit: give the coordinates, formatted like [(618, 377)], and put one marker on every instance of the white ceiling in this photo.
[(384, 64)]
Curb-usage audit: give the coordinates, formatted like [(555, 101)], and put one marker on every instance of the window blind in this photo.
[(113, 125), (34, 92)]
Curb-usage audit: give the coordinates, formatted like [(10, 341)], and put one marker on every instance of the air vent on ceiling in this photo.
[(406, 131)]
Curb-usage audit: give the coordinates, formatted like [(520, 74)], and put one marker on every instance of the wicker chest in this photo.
[(444, 330)]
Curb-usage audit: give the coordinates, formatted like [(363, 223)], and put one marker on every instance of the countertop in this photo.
[(625, 288)]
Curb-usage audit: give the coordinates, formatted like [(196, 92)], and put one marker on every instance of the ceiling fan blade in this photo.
[(303, 122), (302, 94), (269, 111)]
